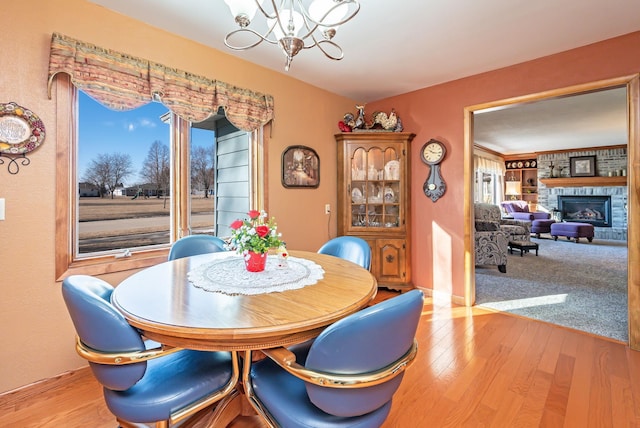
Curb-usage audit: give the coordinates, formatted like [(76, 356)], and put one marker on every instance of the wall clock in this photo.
[(432, 153)]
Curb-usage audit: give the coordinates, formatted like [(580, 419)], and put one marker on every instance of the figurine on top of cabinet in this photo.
[(380, 121), (350, 122), (387, 122)]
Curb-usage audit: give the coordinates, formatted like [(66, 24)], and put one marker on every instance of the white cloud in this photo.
[(140, 123), (146, 123)]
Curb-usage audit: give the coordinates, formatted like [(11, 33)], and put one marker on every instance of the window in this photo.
[(124, 168), (143, 178), (202, 161), (488, 180), (488, 187)]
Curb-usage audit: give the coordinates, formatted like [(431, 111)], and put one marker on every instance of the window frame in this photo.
[(66, 209)]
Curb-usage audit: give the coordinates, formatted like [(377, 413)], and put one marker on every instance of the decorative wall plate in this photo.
[(21, 130)]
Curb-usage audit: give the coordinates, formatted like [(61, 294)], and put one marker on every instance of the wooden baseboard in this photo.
[(444, 297), (14, 397)]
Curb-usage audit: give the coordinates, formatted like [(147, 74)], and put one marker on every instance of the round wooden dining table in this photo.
[(170, 307), (167, 307)]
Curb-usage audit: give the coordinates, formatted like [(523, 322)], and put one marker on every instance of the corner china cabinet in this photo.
[(374, 200)]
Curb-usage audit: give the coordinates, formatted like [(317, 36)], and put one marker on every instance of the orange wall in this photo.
[(437, 112), (36, 333)]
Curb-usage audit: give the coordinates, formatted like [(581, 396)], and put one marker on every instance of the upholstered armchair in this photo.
[(516, 230), (519, 210), (490, 243)]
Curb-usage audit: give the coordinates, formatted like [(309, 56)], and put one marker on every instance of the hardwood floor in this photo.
[(474, 369)]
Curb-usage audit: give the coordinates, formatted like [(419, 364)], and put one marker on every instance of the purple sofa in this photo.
[(519, 210)]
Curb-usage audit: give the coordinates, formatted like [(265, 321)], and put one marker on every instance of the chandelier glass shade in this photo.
[(290, 24)]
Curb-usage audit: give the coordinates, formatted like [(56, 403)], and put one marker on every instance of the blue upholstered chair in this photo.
[(349, 375), (161, 385), (194, 245), (350, 248)]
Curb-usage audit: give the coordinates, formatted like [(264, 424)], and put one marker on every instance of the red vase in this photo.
[(255, 262)]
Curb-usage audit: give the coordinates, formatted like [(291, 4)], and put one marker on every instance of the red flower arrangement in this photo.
[(256, 234)]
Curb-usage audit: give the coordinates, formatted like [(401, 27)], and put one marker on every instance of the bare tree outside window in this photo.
[(202, 161), (121, 168), (108, 171), (156, 168), (98, 173)]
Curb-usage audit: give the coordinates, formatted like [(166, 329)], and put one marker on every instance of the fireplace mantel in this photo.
[(584, 181)]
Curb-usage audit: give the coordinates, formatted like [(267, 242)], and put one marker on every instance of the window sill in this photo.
[(111, 264)]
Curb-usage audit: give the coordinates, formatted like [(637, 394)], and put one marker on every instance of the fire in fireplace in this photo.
[(595, 210)]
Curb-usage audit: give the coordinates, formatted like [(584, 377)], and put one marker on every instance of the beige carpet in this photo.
[(581, 286)]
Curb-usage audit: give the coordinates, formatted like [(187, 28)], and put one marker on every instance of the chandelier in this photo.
[(292, 25)]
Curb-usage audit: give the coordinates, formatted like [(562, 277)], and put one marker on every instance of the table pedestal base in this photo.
[(226, 411)]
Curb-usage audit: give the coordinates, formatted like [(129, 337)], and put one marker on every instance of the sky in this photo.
[(105, 131)]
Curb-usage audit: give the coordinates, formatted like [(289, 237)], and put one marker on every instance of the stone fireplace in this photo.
[(595, 210), (617, 195), (602, 190)]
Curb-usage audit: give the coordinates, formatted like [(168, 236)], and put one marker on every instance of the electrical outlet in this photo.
[(327, 209)]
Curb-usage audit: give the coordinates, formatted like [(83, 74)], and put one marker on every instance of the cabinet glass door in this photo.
[(375, 188)]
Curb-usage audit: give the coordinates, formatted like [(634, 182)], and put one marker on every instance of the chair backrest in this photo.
[(515, 206), (366, 341), (350, 248), (486, 212), (194, 245), (101, 327)]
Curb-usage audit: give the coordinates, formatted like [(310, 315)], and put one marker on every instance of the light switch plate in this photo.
[(1, 208)]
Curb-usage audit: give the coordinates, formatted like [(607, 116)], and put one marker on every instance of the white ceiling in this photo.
[(395, 47), (585, 120)]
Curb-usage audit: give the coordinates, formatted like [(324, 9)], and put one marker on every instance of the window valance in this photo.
[(490, 166), (122, 82)]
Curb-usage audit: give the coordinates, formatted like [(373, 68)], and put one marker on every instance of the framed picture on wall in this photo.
[(300, 167), (582, 166)]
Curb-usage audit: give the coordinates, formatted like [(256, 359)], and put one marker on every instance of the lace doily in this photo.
[(228, 275)]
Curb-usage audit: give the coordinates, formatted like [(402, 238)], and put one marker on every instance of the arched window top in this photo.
[(122, 82)]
